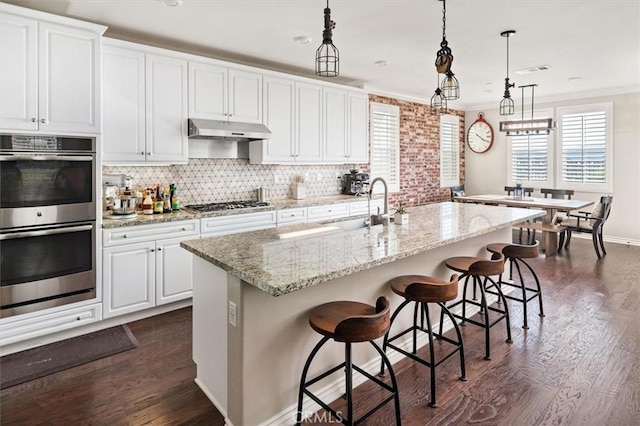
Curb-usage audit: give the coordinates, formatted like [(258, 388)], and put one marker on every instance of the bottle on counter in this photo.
[(166, 201), (175, 202), (147, 204)]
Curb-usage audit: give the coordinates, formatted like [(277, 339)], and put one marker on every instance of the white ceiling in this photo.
[(593, 43)]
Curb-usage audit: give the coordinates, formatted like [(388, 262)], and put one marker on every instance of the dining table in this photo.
[(550, 205)]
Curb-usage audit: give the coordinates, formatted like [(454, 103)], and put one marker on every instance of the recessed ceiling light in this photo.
[(573, 79), (172, 3), (381, 63), (531, 70), (302, 39)]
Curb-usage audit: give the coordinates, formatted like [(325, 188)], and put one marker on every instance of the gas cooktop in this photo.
[(211, 207)]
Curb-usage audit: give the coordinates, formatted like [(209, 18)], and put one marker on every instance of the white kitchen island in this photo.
[(266, 282)]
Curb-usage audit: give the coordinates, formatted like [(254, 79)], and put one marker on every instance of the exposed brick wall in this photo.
[(420, 153)]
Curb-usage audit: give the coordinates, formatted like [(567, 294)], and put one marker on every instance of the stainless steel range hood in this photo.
[(227, 130)]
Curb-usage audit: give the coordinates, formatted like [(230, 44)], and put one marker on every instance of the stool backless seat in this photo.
[(349, 322), (422, 290), (481, 270), (516, 254)]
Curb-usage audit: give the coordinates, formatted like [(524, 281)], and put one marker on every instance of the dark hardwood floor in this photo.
[(580, 365)]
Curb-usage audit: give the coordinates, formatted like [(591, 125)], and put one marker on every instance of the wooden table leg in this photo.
[(549, 239)]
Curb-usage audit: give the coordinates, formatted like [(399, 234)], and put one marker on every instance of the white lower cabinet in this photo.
[(234, 223), (144, 274), (328, 211)]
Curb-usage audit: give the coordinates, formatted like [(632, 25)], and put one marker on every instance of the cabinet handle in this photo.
[(43, 120), (153, 250), (33, 119)]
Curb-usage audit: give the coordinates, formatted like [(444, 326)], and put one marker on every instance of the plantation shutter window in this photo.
[(449, 151), (385, 145), (585, 148), (530, 159)]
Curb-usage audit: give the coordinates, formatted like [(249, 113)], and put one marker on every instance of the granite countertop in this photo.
[(279, 265), (185, 214)]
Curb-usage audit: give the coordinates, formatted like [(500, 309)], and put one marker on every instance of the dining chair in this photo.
[(558, 194), (526, 192), (457, 191), (589, 222)]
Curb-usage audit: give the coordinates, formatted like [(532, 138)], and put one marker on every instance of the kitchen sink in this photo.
[(348, 225)]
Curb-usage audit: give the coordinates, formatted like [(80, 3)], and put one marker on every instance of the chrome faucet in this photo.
[(379, 218)]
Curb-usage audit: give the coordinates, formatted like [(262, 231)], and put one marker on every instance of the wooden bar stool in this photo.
[(515, 254), (423, 290), (349, 322), (478, 268)]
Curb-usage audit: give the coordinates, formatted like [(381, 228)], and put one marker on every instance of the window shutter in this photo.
[(449, 151), (584, 143), (529, 158), (385, 144)]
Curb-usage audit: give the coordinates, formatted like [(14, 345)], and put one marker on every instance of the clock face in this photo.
[(480, 136)]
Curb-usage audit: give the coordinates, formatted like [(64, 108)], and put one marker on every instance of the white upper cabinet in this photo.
[(220, 93), (309, 122), (279, 109), (346, 123), (145, 106), (50, 72)]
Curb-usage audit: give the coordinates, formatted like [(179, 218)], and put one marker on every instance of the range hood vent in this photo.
[(227, 130)]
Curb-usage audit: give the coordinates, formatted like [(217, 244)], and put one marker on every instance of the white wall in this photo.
[(487, 173)]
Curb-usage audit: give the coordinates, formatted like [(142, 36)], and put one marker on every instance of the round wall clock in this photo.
[(480, 135)]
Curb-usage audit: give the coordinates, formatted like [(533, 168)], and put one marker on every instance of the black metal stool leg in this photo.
[(386, 336), (535, 277), (348, 382), (463, 373), (487, 336), (523, 288), (394, 383), (506, 309), (432, 358), (303, 379)]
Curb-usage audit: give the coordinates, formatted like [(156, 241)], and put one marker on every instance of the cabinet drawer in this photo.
[(289, 216), (362, 207), (136, 234), (329, 211), (16, 331), (230, 224)]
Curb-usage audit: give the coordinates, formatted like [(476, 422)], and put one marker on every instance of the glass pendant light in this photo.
[(507, 106), (327, 55), (450, 86)]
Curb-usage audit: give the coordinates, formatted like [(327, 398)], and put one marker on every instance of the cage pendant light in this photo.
[(507, 106), (444, 59), (438, 102), (327, 55)]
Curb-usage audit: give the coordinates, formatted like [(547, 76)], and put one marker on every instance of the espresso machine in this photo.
[(355, 183)]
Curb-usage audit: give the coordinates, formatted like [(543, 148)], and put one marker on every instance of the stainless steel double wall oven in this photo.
[(47, 221)]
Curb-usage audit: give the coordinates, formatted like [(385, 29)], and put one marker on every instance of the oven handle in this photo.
[(47, 157), (43, 232)]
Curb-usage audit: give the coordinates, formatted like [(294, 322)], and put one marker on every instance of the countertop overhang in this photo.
[(279, 266)]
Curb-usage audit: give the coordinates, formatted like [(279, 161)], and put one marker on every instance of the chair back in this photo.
[(602, 209), (519, 251), (557, 193), (433, 291), (457, 191), (362, 328), (485, 268), (527, 191)]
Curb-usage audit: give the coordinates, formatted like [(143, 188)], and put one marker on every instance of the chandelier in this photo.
[(527, 127)]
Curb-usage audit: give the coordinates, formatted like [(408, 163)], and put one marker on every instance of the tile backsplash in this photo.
[(218, 180)]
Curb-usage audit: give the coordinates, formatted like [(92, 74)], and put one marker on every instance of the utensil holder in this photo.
[(298, 191)]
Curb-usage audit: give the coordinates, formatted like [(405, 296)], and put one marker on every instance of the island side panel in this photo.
[(268, 349), (210, 331)]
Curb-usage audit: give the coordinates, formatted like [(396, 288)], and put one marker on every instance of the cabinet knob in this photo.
[(152, 250), (142, 153), (124, 236), (149, 153), (159, 248), (33, 119), (43, 120), (184, 229)]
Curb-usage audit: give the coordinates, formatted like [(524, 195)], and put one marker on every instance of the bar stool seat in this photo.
[(515, 254), (349, 322), (422, 290), (481, 270)]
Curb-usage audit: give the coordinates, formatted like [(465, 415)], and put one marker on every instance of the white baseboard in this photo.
[(335, 390), (214, 401), (609, 239)]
